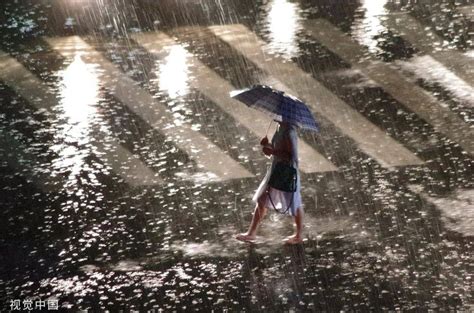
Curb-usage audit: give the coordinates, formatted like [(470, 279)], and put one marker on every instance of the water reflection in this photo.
[(369, 24), (79, 94), (172, 78), (272, 234), (283, 21), (173, 73)]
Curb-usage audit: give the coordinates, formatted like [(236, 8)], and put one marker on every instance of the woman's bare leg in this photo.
[(258, 214), (298, 236)]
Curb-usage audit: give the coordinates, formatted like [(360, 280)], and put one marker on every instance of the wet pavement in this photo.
[(126, 169)]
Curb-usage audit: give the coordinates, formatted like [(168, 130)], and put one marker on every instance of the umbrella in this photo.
[(279, 105)]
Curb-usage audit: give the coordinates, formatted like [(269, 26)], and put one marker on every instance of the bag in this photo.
[(284, 178)]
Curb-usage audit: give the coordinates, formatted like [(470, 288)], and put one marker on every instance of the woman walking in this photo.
[(280, 189), (283, 149)]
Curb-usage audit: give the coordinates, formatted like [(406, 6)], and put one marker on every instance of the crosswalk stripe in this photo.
[(129, 166), (431, 70), (217, 89), (428, 42), (467, 11), (15, 75), (25, 84), (461, 64), (392, 81), (456, 211), (371, 139), (26, 163), (206, 154)]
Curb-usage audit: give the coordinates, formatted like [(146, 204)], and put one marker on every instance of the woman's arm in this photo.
[(294, 146), (284, 154), (281, 153)]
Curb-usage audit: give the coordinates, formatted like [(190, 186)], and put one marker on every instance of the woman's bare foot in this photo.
[(245, 237), (293, 240)]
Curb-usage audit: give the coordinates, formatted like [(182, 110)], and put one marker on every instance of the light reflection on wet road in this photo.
[(126, 169)]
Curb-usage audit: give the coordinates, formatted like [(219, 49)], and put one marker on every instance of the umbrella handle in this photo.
[(271, 121)]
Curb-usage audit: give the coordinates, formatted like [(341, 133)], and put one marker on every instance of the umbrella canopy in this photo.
[(280, 106)]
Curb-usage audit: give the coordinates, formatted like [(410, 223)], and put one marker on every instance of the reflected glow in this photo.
[(283, 22), (79, 94), (173, 73), (365, 28)]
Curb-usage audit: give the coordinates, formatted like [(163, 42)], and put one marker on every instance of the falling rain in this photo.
[(127, 170)]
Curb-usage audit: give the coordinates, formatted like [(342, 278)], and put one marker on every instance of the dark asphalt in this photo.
[(105, 205)]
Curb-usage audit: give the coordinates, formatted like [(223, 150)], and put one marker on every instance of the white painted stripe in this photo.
[(128, 166), (429, 69), (17, 156), (28, 86), (217, 89), (206, 154), (371, 139), (461, 64), (392, 81), (15, 75), (456, 209), (428, 42), (467, 11)]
